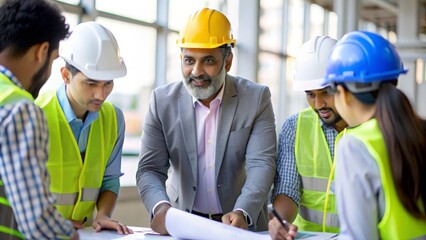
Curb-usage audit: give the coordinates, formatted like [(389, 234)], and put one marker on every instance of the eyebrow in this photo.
[(202, 58)]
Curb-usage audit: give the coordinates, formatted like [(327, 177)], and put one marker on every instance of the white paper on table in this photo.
[(89, 233), (315, 235), (184, 225)]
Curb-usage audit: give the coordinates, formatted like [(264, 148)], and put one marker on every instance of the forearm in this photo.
[(105, 204), (286, 207)]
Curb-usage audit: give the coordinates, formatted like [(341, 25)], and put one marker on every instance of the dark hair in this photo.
[(71, 68), (404, 133), (25, 23)]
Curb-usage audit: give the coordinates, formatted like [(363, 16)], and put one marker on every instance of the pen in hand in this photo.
[(283, 223)]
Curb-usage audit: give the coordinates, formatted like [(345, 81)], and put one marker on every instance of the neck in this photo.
[(362, 114), (340, 125), (18, 68)]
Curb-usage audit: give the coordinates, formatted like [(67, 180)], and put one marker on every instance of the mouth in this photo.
[(199, 82), (324, 113), (97, 103)]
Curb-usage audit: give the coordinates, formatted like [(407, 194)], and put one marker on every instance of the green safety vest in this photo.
[(9, 94), (314, 163), (396, 223), (74, 182)]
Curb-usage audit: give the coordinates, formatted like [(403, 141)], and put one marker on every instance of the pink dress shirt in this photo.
[(206, 198)]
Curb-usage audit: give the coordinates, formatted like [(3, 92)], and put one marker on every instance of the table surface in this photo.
[(141, 233)]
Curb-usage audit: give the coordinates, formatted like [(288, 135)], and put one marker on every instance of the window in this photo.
[(271, 25), (316, 27), (145, 10)]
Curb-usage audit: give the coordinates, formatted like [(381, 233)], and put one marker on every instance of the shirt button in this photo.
[(194, 188)]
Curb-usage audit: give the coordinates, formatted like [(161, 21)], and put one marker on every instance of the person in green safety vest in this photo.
[(86, 131), (306, 150), (381, 157), (30, 32)]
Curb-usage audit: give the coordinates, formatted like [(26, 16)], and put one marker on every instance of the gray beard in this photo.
[(204, 93)]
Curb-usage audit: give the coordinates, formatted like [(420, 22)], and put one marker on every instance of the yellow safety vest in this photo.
[(74, 182), (314, 163), (396, 223), (9, 93)]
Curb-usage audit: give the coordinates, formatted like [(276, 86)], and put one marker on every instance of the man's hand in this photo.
[(77, 224), (278, 232), (158, 223), (236, 219), (104, 222)]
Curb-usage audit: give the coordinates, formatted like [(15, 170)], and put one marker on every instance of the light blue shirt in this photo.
[(81, 131)]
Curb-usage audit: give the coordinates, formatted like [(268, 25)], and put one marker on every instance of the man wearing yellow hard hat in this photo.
[(209, 142), (86, 132)]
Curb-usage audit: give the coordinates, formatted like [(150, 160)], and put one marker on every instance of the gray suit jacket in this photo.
[(245, 149)]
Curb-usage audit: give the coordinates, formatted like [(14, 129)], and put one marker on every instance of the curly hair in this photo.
[(25, 23)]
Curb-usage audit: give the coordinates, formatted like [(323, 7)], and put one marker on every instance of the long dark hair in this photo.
[(404, 133)]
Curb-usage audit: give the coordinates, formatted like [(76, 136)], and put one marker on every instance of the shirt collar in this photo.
[(11, 76), (324, 126), (219, 96)]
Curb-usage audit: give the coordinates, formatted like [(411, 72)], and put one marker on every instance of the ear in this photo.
[(344, 95), (66, 75), (228, 62), (42, 52)]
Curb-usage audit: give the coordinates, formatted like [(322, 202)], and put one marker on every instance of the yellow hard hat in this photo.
[(206, 28)]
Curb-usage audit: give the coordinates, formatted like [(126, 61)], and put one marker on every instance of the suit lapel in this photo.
[(187, 115), (227, 113)]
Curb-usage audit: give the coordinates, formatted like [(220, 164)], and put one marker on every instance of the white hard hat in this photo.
[(311, 62), (94, 51)]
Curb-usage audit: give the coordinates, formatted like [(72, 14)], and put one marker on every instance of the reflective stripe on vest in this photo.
[(75, 182), (317, 216), (315, 184), (9, 93), (314, 162), (87, 194), (397, 223)]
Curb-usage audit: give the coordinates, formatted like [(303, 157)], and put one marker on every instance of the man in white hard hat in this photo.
[(86, 132), (215, 132), (306, 149)]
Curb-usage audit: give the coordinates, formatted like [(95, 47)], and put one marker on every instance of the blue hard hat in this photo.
[(363, 57)]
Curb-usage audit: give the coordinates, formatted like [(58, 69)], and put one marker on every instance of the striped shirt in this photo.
[(287, 180), (23, 154)]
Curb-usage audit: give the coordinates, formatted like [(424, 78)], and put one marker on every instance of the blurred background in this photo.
[(268, 33)]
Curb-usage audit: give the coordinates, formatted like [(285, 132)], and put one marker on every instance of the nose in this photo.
[(319, 102), (198, 69), (100, 93)]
